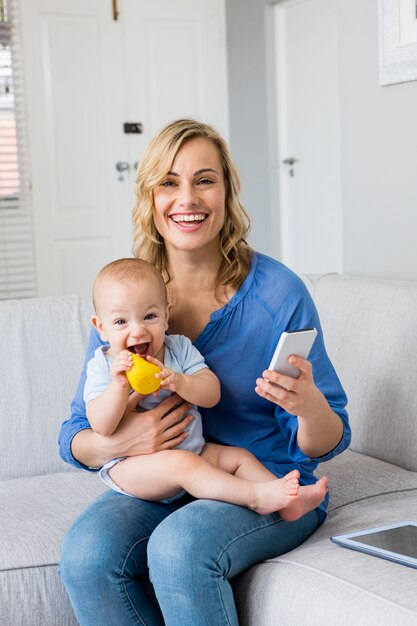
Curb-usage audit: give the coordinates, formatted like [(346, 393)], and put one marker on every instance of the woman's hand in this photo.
[(160, 428), (298, 396), (320, 429)]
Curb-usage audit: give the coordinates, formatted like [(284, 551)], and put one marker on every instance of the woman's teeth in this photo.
[(189, 218)]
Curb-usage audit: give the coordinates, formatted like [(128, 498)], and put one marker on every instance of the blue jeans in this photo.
[(192, 547)]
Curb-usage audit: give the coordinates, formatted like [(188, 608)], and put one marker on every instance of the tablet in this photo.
[(395, 542)]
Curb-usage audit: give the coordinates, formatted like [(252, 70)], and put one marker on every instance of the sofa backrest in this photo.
[(370, 330), (42, 350)]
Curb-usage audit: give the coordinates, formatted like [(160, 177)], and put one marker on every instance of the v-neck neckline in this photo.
[(232, 303)]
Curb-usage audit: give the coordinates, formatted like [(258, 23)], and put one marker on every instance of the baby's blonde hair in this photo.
[(127, 271), (154, 166)]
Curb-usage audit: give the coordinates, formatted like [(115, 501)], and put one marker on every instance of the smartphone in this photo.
[(297, 342)]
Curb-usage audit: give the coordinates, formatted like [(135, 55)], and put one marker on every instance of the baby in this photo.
[(131, 314)]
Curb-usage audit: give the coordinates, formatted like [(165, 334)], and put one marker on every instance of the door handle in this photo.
[(290, 161), (122, 166)]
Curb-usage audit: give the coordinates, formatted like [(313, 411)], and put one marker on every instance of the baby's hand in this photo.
[(120, 365), (169, 379)]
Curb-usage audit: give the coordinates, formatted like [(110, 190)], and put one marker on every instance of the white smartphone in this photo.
[(297, 342)]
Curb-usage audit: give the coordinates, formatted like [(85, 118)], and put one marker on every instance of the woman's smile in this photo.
[(189, 222)]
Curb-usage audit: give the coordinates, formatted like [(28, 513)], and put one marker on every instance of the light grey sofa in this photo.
[(371, 334)]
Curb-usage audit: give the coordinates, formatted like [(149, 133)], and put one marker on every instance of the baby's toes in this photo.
[(292, 486)]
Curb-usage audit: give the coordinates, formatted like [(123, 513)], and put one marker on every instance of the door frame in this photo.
[(276, 106)]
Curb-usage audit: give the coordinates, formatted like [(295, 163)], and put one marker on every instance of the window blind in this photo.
[(17, 271)]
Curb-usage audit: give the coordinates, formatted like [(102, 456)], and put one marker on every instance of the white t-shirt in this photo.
[(180, 356)]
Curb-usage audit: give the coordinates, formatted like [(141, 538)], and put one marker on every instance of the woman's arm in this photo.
[(78, 422), (161, 428), (320, 429)]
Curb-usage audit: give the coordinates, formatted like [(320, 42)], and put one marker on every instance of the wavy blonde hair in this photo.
[(154, 166)]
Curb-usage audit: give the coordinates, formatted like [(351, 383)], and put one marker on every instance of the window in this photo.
[(17, 275)]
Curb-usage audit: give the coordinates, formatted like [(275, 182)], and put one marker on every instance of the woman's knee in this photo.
[(170, 545), (87, 554), (184, 543), (79, 560), (109, 538)]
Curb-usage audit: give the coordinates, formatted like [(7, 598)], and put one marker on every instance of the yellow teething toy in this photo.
[(141, 375)]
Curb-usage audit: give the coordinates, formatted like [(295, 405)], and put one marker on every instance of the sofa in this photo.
[(370, 331)]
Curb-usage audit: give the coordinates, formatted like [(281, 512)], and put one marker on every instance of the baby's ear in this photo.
[(98, 325)]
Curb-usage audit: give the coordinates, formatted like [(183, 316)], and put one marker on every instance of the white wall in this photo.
[(378, 137), (378, 134), (379, 154), (250, 113)]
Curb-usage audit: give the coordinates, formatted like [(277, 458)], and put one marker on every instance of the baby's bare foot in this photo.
[(291, 483), (293, 474), (274, 495), (309, 498)]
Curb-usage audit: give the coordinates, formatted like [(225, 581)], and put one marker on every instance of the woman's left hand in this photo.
[(298, 396)]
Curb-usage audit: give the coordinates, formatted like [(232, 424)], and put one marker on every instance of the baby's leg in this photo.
[(148, 476), (161, 475), (242, 463)]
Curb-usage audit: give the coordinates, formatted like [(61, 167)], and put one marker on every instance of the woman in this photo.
[(233, 303)]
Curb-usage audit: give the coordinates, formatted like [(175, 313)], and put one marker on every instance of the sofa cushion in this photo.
[(372, 340), (354, 477), (42, 351), (357, 588), (34, 596), (334, 585), (295, 594), (36, 512)]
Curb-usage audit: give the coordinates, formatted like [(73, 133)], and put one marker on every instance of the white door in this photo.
[(309, 133), (86, 75)]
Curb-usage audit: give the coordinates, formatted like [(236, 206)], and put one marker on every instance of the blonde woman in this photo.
[(233, 303)]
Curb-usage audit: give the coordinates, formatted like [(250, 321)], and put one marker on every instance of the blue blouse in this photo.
[(238, 344)]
